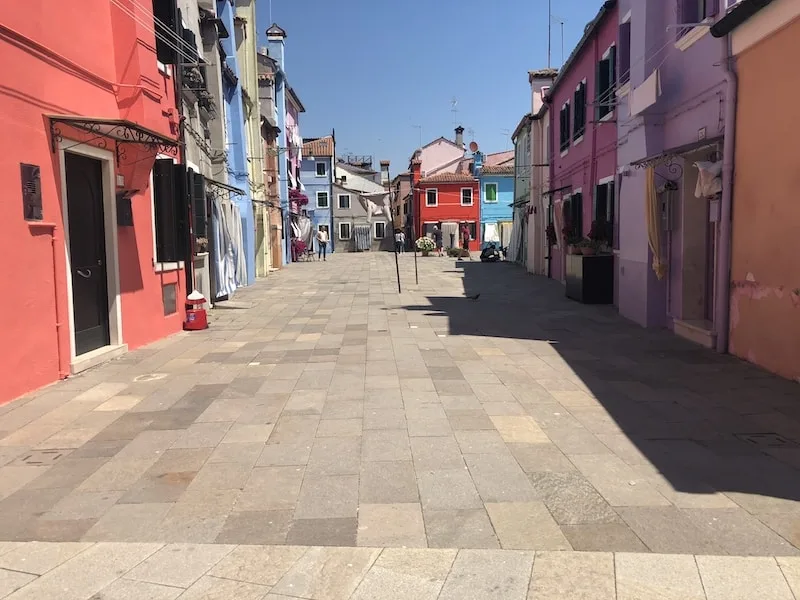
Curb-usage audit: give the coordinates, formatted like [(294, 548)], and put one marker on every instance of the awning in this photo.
[(556, 190), (222, 190), (119, 130), (668, 156)]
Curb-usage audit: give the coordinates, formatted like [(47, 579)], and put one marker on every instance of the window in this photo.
[(565, 127), (606, 83), (580, 110), (695, 11), (167, 25), (603, 212), (380, 230), (171, 211), (431, 197), (322, 169), (572, 213), (625, 52), (344, 201), (466, 196), (322, 199), (490, 192), (344, 231)]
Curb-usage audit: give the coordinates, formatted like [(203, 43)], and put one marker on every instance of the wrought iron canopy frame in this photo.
[(119, 131), (672, 159), (220, 190)]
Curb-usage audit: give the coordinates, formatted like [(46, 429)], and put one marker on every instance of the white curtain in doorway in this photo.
[(491, 233), (224, 250)]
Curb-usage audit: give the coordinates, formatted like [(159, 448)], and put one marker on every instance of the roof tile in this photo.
[(319, 147)]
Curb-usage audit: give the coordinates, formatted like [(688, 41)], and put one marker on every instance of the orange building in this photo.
[(94, 227), (765, 272)]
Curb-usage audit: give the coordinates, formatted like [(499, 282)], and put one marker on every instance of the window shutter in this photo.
[(612, 72), (624, 52), (712, 7), (610, 226), (199, 208), (166, 21), (164, 207), (181, 199)]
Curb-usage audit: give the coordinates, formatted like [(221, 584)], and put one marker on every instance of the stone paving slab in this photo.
[(114, 571), (326, 409)]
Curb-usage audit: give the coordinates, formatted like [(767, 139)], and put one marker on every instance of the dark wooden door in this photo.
[(87, 252)]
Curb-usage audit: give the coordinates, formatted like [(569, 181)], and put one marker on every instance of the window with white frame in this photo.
[(345, 231), (344, 201), (466, 196), (380, 230), (322, 200), (490, 192), (606, 83), (322, 169), (432, 197), (565, 127)]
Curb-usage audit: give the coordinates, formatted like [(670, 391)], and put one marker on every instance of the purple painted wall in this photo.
[(594, 157), (693, 97)]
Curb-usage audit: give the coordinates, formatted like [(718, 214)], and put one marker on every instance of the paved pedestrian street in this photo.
[(330, 438)]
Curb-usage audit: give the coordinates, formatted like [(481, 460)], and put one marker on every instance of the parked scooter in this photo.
[(490, 253)]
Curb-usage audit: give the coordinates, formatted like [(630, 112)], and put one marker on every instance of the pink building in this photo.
[(583, 139)]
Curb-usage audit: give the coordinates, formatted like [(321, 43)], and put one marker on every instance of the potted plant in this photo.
[(425, 245), (550, 232)]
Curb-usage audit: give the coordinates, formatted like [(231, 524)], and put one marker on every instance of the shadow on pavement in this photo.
[(706, 422)]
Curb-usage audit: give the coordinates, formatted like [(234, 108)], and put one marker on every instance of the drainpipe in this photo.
[(722, 284), (63, 366)]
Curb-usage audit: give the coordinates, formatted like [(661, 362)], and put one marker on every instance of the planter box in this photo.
[(590, 279)]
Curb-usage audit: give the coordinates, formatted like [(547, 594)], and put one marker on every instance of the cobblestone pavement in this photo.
[(151, 571), (323, 409)]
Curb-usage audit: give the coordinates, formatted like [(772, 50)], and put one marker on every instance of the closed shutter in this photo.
[(164, 206), (610, 226), (199, 207), (625, 52), (182, 211), (166, 21)]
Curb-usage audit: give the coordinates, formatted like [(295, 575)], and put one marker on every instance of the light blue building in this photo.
[(236, 143), (317, 174), (495, 173)]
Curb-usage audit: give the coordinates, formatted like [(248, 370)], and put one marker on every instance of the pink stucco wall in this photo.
[(440, 156), (584, 164)]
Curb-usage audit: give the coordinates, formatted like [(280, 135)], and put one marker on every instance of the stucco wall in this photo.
[(79, 80), (313, 184), (594, 157), (449, 208), (440, 156), (492, 212), (765, 272)]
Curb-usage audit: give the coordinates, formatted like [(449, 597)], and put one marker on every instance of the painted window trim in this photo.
[(316, 168), (436, 190), (627, 17), (496, 193), (611, 113), (349, 230), (606, 180), (471, 196), (339, 201), (329, 200), (607, 53), (694, 35), (375, 230), (163, 267)]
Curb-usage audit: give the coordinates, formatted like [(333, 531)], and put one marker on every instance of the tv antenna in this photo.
[(507, 133), (471, 133), (454, 110), (560, 22), (419, 128)]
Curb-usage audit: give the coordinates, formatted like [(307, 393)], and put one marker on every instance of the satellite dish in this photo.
[(473, 146)]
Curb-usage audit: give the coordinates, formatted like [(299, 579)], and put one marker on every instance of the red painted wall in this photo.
[(61, 60), (595, 157), (449, 208)]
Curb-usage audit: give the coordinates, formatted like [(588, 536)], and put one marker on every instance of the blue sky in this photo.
[(372, 69)]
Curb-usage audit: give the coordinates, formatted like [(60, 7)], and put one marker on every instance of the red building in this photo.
[(94, 227), (446, 200)]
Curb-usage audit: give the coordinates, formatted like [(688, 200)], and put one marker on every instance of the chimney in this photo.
[(460, 136), (416, 170), (540, 81), (385, 172)]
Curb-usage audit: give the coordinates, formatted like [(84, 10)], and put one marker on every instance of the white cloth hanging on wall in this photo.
[(491, 233), (709, 182)]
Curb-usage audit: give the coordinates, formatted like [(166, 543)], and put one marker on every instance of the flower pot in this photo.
[(426, 253)]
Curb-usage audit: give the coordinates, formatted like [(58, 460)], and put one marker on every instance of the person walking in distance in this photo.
[(437, 238), (322, 242), (398, 241), (402, 242), (465, 238)]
